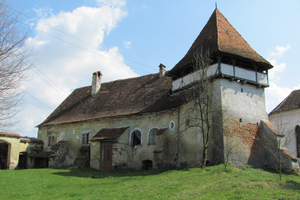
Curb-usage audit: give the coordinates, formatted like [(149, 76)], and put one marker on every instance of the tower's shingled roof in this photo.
[(219, 37), (291, 102)]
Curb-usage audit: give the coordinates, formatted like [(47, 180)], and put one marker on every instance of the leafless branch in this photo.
[(13, 66)]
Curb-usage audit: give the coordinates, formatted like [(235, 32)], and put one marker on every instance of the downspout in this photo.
[(178, 134)]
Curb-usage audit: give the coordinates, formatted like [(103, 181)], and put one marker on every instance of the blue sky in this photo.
[(71, 39)]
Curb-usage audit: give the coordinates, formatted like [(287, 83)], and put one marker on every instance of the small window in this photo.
[(152, 136), (136, 138), (85, 138), (172, 125), (187, 122), (50, 140)]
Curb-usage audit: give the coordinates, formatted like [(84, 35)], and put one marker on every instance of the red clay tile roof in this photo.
[(285, 151), (219, 37), (291, 102), (109, 133), (22, 139), (272, 128), (14, 135), (161, 131), (143, 94)]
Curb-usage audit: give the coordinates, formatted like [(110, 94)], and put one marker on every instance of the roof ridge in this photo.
[(279, 105), (238, 34), (218, 36), (288, 103), (218, 41)]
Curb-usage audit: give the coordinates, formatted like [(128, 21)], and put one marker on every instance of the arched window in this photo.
[(152, 136), (136, 137)]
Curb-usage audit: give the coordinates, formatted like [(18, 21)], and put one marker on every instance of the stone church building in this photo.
[(143, 122)]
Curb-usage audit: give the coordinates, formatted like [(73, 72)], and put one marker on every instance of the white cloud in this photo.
[(112, 3), (278, 67), (43, 12), (274, 56), (280, 50), (68, 57), (277, 93)]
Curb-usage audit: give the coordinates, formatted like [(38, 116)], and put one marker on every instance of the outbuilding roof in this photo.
[(291, 102), (219, 37), (272, 128), (12, 135), (109, 133)]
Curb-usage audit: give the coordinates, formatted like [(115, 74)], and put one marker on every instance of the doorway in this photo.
[(22, 160), (105, 156), (4, 155), (297, 130), (147, 164)]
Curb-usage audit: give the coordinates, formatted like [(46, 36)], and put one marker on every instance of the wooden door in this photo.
[(106, 156)]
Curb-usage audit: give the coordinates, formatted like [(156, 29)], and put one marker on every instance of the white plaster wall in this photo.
[(262, 78), (229, 70), (286, 123), (243, 101), (190, 78), (245, 74)]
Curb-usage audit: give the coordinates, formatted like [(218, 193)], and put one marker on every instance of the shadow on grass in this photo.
[(292, 185), (91, 173)]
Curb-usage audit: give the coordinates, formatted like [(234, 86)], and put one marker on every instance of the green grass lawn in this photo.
[(210, 183)]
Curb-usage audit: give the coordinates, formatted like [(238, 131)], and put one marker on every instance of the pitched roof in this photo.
[(144, 94), (272, 128), (109, 133), (291, 102), (13, 135), (219, 37), (288, 153)]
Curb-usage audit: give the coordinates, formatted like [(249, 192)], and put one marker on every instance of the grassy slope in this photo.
[(211, 183)]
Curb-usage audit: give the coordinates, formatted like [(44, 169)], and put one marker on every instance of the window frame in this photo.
[(131, 137), (155, 136), (85, 138), (50, 140)]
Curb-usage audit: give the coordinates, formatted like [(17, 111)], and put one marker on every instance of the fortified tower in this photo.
[(238, 72)]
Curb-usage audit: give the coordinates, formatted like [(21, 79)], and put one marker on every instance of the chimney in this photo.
[(96, 82), (162, 70)]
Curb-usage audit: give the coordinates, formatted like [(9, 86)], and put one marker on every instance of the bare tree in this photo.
[(13, 65), (202, 106)]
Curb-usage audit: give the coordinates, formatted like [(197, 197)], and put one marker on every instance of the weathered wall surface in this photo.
[(17, 146), (242, 107), (13, 151), (190, 144), (286, 123), (273, 146), (95, 155), (124, 153), (242, 101), (242, 144)]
